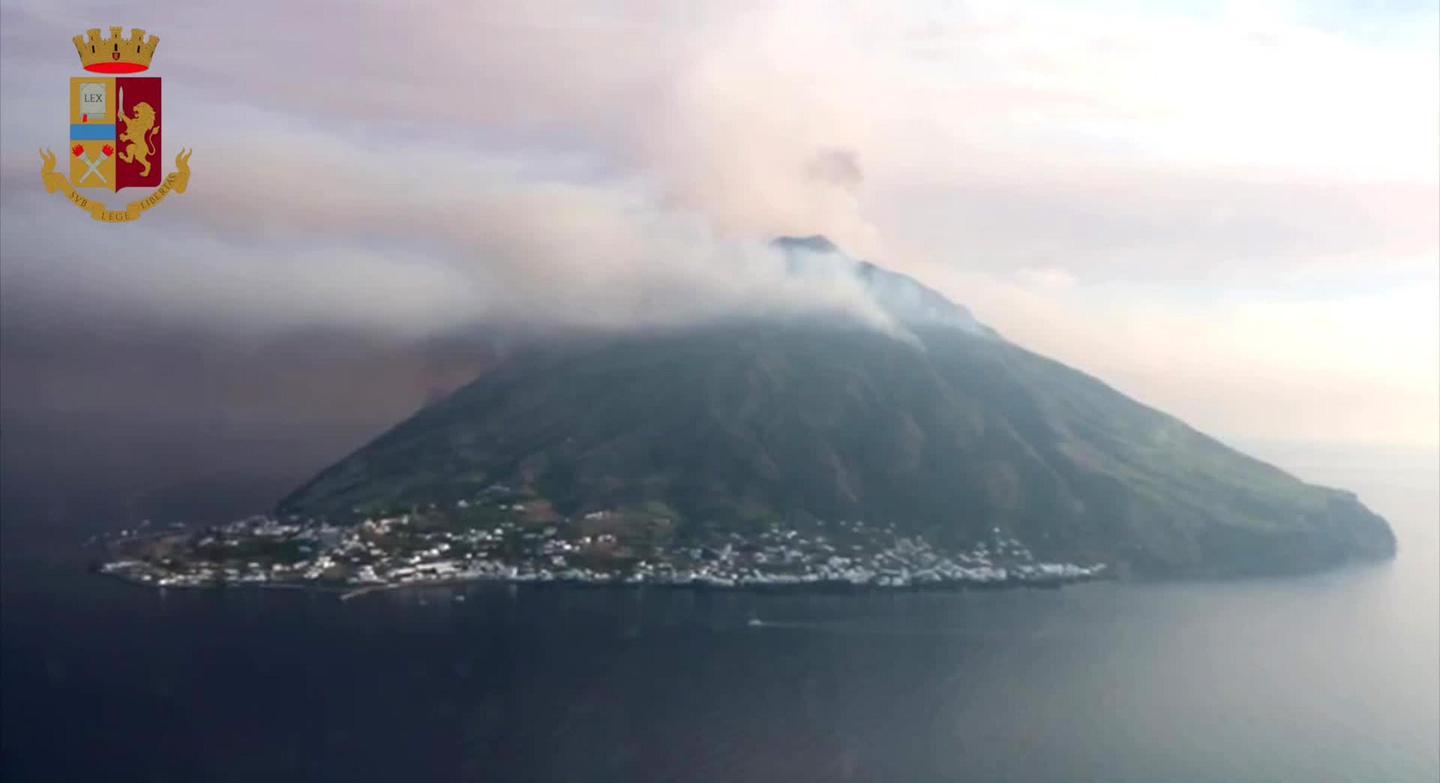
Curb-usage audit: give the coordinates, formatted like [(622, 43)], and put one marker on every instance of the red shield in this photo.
[(137, 132)]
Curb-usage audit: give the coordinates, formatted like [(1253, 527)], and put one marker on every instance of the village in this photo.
[(525, 542)]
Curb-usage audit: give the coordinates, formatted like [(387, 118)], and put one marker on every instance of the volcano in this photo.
[(950, 432)]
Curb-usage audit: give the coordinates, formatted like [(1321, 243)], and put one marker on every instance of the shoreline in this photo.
[(350, 592)]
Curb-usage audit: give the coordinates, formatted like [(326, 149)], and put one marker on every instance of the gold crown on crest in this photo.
[(115, 54)]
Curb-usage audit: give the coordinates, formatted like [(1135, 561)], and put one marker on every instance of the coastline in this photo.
[(350, 592)]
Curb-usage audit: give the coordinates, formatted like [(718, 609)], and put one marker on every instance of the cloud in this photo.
[(1060, 170), (417, 257), (840, 168)]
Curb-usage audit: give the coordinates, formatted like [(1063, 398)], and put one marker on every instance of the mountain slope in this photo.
[(903, 297), (952, 435)]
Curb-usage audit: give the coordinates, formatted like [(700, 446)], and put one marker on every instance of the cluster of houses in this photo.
[(400, 550)]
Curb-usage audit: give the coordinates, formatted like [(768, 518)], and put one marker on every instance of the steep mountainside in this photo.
[(952, 435)]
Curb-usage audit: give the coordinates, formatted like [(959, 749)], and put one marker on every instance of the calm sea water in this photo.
[(1332, 677)]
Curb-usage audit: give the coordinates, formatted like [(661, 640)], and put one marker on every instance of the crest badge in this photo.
[(116, 128)]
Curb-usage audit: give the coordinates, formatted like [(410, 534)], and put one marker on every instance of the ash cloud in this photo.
[(517, 162), (840, 168), (563, 166)]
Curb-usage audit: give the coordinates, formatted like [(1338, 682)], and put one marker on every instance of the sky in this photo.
[(1230, 211)]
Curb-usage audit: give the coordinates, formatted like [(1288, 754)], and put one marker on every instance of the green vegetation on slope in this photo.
[(952, 436)]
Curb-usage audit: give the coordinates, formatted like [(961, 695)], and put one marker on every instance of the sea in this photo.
[(1331, 677)]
